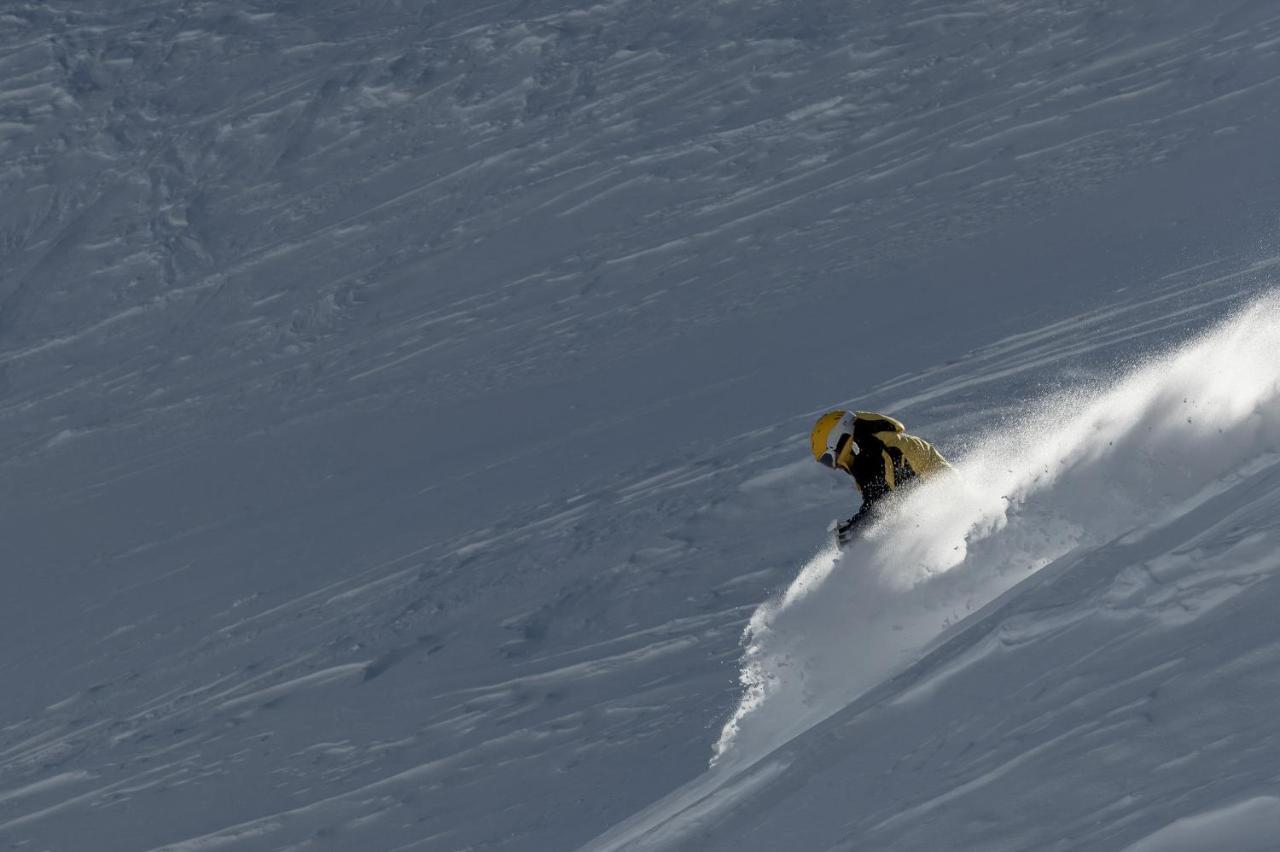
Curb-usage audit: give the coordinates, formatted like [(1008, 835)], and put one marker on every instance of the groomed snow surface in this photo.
[(403, 413)]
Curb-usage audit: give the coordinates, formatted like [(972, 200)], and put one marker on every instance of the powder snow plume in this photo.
[(1075, 471)]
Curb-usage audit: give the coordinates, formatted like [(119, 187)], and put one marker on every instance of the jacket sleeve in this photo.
[(889, 479), (920, 454)]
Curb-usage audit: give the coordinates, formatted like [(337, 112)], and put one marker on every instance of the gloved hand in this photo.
[(845, 530)]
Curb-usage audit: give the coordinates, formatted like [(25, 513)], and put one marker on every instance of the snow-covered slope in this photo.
[(401, 404), (1117, 690), (1076, 472)]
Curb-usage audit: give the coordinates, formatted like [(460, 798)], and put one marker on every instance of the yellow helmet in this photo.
[(832, 439)]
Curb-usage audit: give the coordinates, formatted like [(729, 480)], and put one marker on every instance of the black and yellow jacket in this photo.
[(887, 457)]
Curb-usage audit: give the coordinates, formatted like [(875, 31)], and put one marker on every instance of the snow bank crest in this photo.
[(1074, 471)]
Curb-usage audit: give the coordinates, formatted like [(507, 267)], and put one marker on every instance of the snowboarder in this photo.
[(877, 452)]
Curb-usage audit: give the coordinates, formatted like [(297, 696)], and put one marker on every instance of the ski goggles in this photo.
[(839, 440), (828, 458)]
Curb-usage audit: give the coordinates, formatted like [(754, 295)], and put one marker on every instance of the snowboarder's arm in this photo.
[(846, 530)]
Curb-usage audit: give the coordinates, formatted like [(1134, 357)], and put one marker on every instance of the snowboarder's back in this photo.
[(876, 451)]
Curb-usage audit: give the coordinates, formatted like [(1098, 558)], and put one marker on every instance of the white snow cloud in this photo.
[(1076, 470)]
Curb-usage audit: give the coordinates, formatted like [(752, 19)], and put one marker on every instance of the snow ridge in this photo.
[(1078, 470)]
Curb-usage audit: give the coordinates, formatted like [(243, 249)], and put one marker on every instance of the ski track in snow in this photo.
[(1107, 537), (1249, 826), (277, 285), (548, 128), (1072, 473)]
